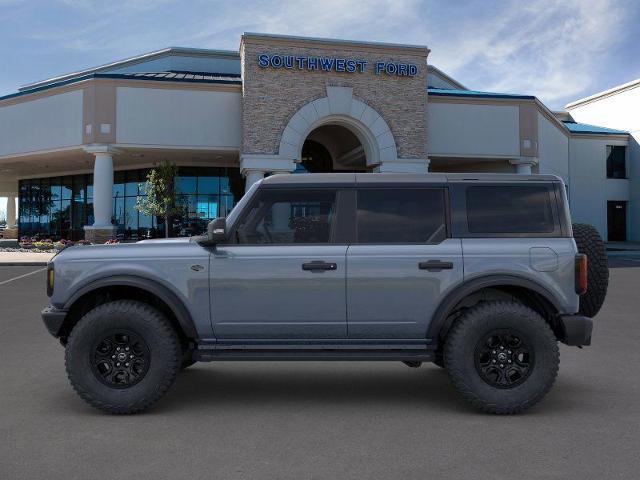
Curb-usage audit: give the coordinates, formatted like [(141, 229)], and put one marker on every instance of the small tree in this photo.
[(160, 200)]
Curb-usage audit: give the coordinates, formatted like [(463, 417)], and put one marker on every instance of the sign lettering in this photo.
[(332, 64)]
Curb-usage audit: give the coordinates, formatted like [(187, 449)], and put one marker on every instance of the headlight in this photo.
[(50, 279)]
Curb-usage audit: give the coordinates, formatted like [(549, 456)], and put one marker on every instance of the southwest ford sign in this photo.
[(334, 64)]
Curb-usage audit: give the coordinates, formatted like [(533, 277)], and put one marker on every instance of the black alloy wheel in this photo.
[(120, 359), (503, 358)]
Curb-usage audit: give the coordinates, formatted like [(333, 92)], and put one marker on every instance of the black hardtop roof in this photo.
[(400, 178)]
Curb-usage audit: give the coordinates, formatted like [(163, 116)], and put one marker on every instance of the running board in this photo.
[(380, 355), (397, 351)]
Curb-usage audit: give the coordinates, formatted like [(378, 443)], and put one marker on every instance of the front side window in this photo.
[(509, 209), (289, 217), (616, 165), (401, 215)]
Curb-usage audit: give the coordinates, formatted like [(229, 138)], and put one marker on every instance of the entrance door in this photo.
[(617, 221), (401, 264), (285, 278)]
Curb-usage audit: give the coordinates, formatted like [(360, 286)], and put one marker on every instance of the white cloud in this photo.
[(549, 48)]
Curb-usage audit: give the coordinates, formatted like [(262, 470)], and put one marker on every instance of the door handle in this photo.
[(319, 266), (435, 265)]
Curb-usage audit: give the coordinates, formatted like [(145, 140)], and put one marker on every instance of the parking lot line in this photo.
[(22, 276)]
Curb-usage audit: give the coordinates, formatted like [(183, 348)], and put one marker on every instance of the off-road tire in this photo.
[(590, 243), (438, 359), (147, 323), (461, 346), (187, 357)]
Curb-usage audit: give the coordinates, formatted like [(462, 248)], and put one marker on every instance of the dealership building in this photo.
[(74, 149)]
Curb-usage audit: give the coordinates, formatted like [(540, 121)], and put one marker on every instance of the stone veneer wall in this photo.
[(272, 96)]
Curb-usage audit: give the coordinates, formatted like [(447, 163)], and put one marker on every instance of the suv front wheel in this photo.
[(502, 357), (123, 356)]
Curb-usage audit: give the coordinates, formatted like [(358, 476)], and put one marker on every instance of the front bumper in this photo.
[(53, 319), (576, 330)]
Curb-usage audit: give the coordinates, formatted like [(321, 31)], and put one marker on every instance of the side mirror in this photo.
[(217, 230)]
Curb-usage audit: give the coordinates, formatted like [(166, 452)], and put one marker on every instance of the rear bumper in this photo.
[(53, 319), (576, 330)]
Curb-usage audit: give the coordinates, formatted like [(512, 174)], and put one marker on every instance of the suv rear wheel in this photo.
[(122, 356), (502, 357)]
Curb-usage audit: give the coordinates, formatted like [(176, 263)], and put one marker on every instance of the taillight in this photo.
[(581, 274), (50, 279)]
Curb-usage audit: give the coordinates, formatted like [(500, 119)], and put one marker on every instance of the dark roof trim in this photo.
[(586, 129), (226, 80), (441, 92)]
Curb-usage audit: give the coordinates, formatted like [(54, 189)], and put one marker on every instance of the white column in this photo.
[(102, 229), (524, 164), (11, 211), (103, 190), (252, 176)]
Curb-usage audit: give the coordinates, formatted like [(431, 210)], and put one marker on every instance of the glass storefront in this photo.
[(59, 207)]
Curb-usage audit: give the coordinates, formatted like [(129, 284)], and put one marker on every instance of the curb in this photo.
[(23, 264)]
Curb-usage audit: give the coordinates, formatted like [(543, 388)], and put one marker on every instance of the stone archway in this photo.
[(340, 108)]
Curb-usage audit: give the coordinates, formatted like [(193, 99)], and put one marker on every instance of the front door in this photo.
[(617, 221), (284, 278), (401, 263)]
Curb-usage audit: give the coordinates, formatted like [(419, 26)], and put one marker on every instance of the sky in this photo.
[(557, 50)]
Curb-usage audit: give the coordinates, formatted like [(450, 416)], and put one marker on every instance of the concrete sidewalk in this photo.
[(26, 259)]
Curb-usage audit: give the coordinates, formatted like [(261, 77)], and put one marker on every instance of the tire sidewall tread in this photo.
[(459, 351), (157, 332)]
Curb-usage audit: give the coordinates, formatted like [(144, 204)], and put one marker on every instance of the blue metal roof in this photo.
[(444, 92), (575, 127), (188, 77)]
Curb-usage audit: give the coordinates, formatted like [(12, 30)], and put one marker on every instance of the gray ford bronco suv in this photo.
[(481, 274)]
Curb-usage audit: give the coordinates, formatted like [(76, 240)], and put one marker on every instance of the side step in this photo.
[(299, 352)]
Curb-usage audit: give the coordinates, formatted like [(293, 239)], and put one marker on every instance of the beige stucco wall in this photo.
[(272, 96), (589, 188), (620, 110), (553, 148), (171, 117), (460, 129), (51, 122)]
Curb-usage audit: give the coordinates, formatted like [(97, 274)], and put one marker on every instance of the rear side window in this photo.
[(509, 209), (401, 215)]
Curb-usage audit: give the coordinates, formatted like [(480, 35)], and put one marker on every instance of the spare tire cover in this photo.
[(590, 243)]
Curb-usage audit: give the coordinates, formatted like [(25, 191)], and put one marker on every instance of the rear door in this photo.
[(401, 263)]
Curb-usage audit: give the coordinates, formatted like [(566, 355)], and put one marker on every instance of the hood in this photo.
[(160, 248)]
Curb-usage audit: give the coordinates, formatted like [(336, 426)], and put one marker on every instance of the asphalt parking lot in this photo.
[(319, 420)]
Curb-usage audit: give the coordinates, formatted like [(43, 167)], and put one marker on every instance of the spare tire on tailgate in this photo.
[(590, 243)]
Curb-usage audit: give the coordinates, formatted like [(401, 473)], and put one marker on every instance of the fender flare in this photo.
[(439, 320), (174, 303)]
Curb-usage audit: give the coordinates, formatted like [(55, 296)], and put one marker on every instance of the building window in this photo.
[(59, 207), (616, 161)]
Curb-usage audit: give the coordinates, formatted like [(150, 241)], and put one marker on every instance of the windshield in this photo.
[(233, 215)]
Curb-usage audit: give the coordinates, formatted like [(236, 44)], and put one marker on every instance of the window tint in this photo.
[(616, 162), (509, 209), (280, 217), (401, 215)]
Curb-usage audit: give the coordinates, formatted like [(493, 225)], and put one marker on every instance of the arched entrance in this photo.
[(337, 133), (332, 148)]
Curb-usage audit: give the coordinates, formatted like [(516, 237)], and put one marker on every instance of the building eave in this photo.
[(132, 61), (606, 93), (448, 78), (116, 76)]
